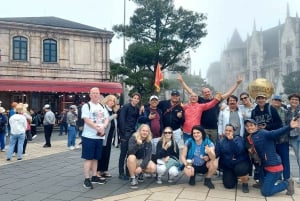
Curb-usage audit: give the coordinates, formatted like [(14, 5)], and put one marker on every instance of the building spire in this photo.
[(287, 10)]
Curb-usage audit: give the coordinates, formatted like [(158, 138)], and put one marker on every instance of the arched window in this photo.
[(20, 48), (49, 50)]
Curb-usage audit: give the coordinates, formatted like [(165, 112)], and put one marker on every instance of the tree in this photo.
[(291, 82), (160, 33)]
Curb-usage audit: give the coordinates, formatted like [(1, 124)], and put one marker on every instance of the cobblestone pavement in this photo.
[(56, 174)]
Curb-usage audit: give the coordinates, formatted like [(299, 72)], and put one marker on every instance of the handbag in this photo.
[(172, 162)]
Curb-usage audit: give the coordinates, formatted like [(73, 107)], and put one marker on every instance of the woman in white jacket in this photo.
[(18, 125)]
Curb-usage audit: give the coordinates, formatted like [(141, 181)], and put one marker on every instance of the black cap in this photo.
[(175, 92), (250, 120)]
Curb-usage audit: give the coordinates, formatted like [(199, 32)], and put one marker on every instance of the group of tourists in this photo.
[(165, 137)]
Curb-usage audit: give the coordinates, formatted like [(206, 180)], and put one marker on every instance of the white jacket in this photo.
[(224, 119), (18, 124)]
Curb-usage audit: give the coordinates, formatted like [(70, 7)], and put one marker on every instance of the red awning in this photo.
[(58, 86)]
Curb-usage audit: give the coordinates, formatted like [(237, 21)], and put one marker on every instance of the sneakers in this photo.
[(141, 178), (98, 180), (87, 184), (133, 183), (158, 180), (33, 137), (208, 183), (245, 188), (3, 150), (71, 147), (290, 188), (170, 179), (257, 185), (192, 180)]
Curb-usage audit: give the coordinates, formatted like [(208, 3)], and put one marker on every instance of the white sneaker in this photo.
[(159, 181), (33, 137), (72, 147), (77, 147), (14, 154)]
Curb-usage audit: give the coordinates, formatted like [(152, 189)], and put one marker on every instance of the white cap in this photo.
[(47, 106), (153, 97)]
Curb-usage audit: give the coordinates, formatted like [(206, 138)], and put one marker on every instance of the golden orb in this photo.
[(261, 86)]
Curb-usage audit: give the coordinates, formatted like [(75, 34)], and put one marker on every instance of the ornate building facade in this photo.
[(52, 60), (266, 54)]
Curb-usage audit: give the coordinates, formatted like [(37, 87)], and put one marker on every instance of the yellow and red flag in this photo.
[(158, 77)]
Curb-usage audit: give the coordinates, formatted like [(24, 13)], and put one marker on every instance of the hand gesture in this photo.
[(179, 78), (239, 79)]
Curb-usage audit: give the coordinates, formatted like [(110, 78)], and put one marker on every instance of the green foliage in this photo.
[(291, 82), (160, 33)]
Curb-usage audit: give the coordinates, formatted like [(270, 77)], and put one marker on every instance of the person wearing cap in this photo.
[(264, 145), (3, 122), (48, 123), (266, 117), (294, 135), (209, 118), (153, 117), (71, 122), (127, 120), (282, 143), (173, 115)]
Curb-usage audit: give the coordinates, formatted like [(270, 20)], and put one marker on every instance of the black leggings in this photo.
[(230, 175)]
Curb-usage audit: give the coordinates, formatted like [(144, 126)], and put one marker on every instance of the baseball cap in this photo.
[(175, 92), (73, 107), (153, 97), (47, 106), (250, 120), (277, 97), (261, 95)]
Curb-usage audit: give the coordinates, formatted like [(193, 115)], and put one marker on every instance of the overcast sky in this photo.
[(223, 17)]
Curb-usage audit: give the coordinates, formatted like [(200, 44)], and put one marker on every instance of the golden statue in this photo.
[(261, 86)]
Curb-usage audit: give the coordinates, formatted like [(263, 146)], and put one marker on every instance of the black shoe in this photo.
[(98, 180), (192, 180), (208, 183), (245, 188), (47, 146), (87, 184), (141, 178), (257, 185)]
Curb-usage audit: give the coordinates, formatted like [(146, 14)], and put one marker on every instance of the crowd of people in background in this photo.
[(232, 135)]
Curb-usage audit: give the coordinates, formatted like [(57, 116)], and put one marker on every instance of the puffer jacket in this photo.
[(264, 143)]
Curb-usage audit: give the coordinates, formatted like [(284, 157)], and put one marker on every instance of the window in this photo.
[(20, 45), (50, 50), (289, 51), (289, 68)]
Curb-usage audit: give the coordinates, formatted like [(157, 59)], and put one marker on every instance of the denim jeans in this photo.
[(283, 151), (268, 187), (71, 135), (12, 141), (2, 141), (295, 143)]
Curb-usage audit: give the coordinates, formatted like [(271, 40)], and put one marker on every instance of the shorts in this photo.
[(201, 169), (91, 148)]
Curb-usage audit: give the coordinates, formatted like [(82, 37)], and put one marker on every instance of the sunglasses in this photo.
[(243, 98), (168, 132)]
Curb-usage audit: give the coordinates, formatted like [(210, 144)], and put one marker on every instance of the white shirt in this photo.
[(97, 114)]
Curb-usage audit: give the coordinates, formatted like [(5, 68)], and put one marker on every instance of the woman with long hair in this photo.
[(167, 152)]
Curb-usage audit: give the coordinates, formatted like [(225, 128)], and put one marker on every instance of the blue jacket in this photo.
[(231, 152), (264, 143)]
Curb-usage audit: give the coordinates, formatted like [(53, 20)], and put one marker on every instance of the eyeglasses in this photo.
[(243, 98), (168, 132)]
